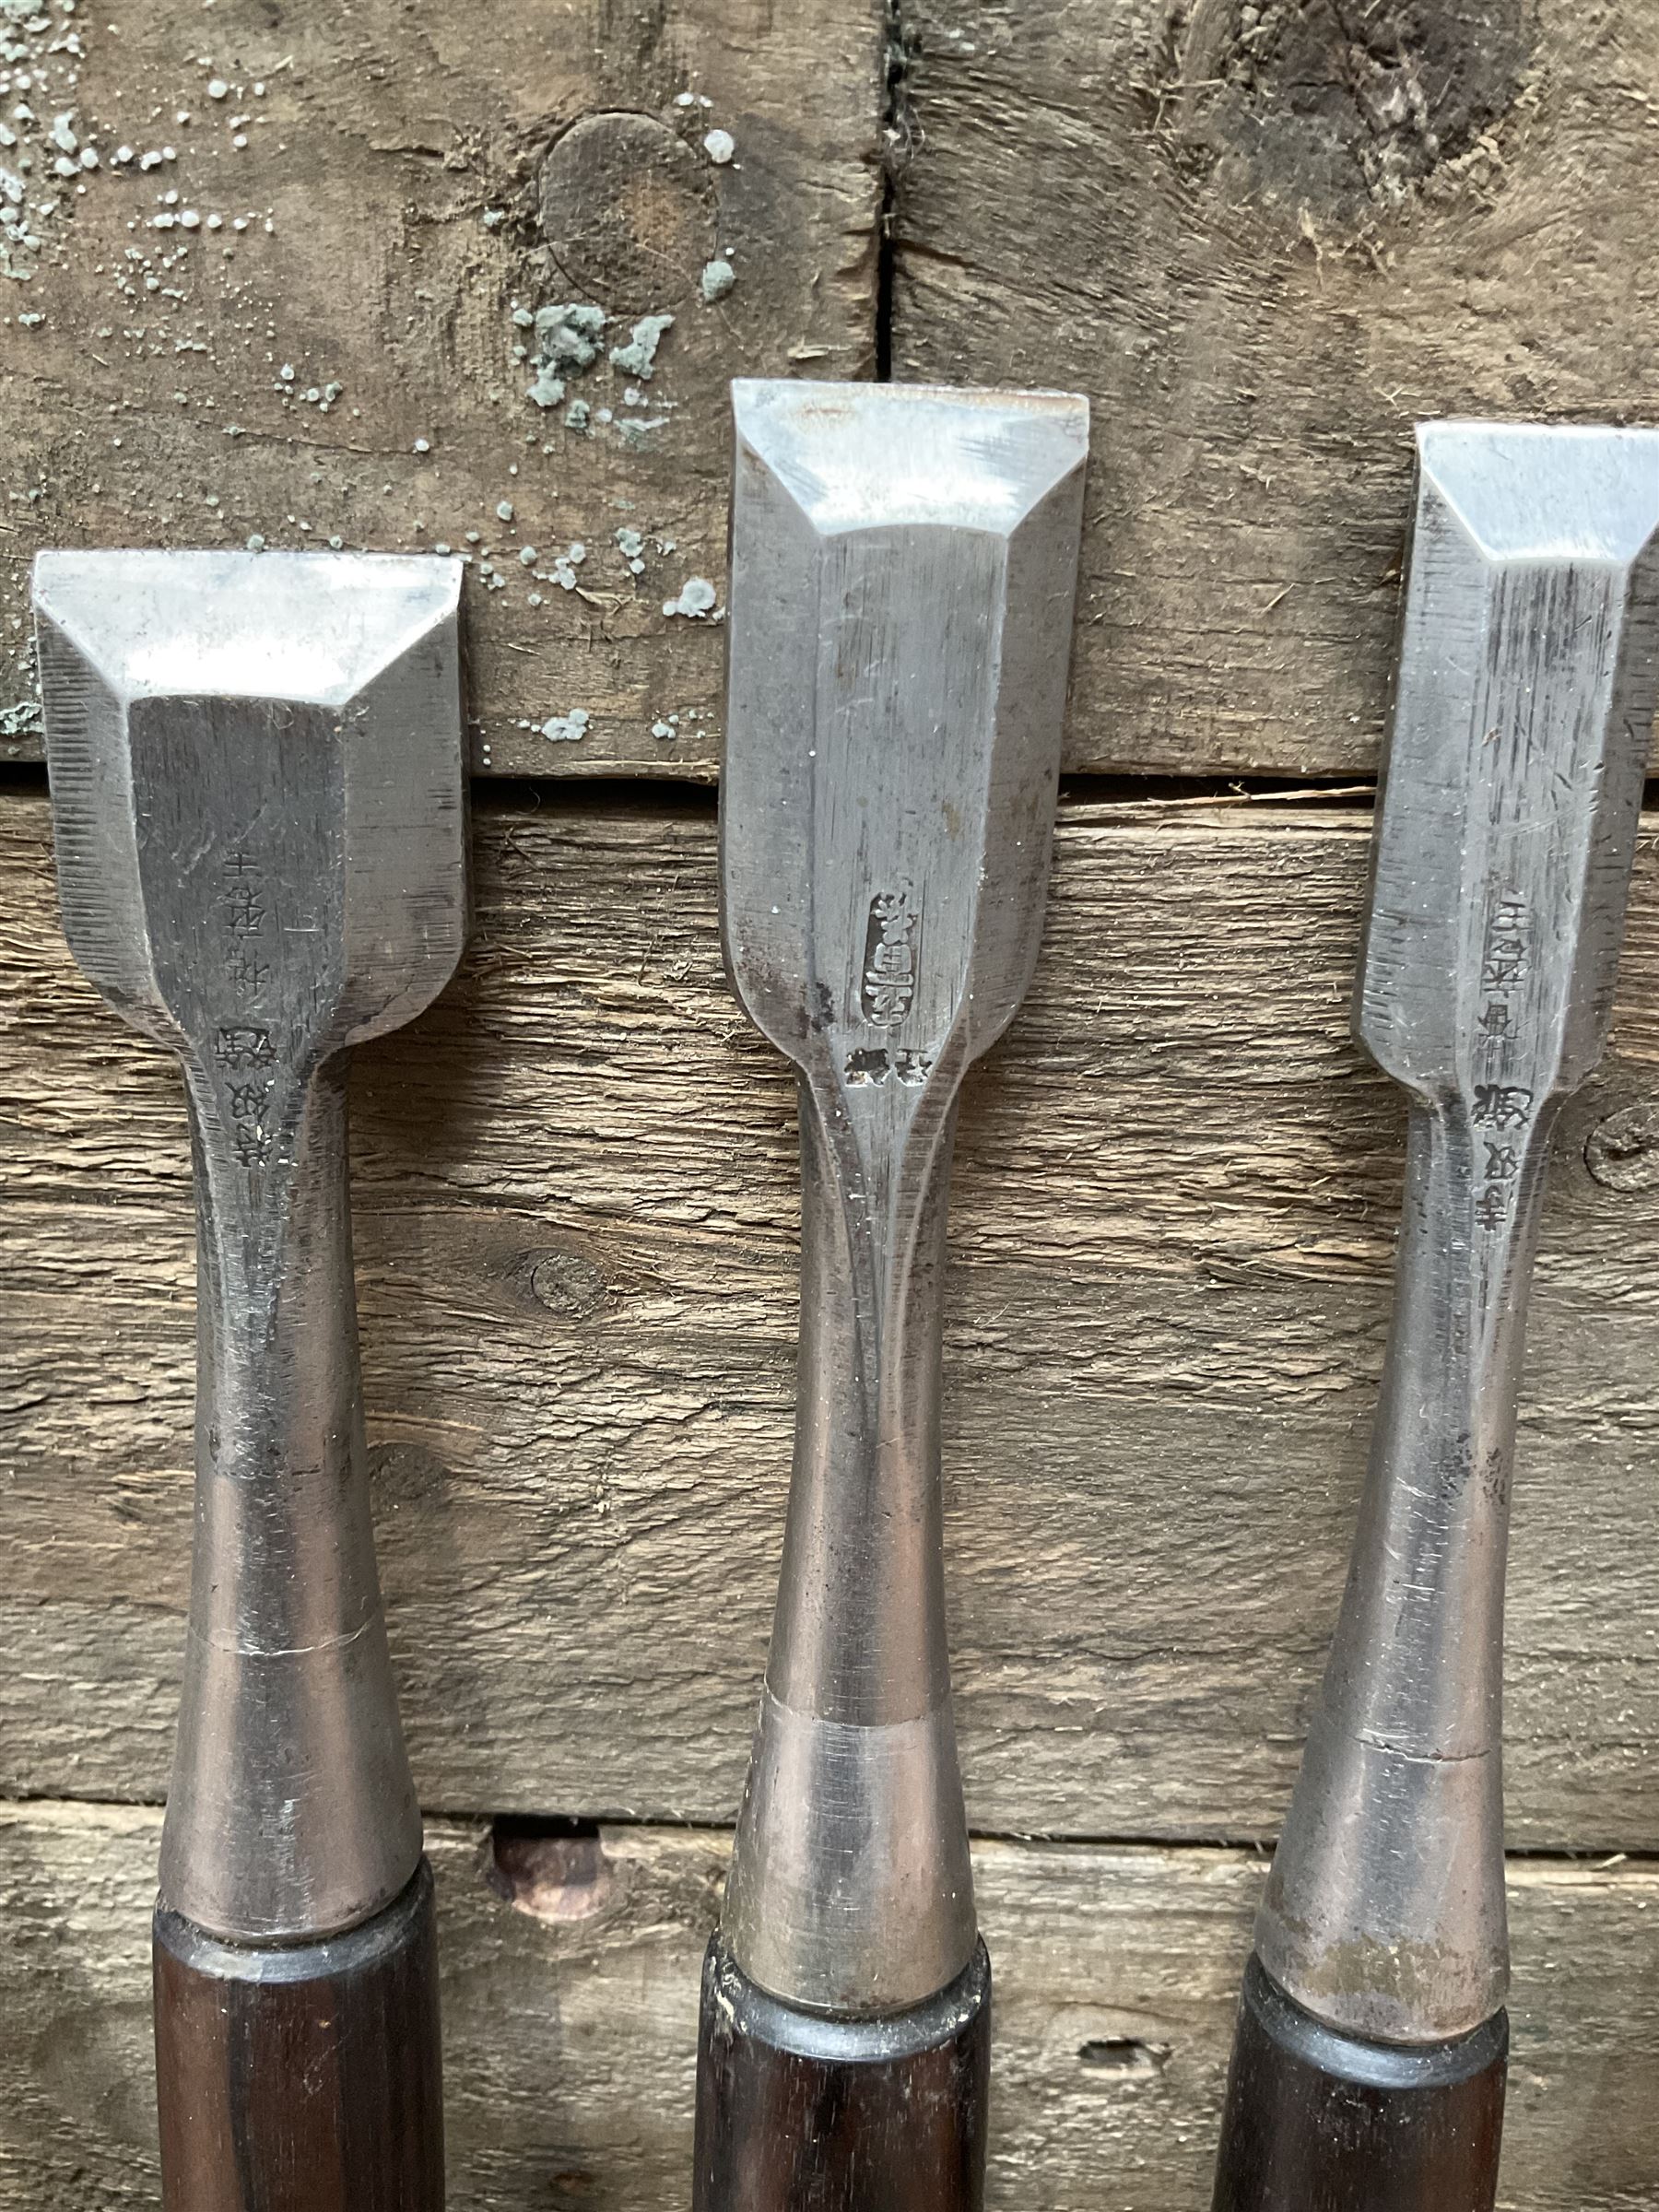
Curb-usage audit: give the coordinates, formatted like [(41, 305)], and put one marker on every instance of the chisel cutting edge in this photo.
[(903, 572), (257, 781), (1368, 2074)]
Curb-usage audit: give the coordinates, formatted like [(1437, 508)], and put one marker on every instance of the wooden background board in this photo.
[(575, 1197), (571, 2027), (1266, 239), (411, 174), (1264, 244)]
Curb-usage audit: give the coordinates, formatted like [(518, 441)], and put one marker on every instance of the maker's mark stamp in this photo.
[(892, 951)]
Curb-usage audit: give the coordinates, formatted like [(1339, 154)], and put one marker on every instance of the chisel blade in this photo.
[(903, 575), (1529, 668), (1372, 2041), (903, 570), (260, 832), (1521, 730)]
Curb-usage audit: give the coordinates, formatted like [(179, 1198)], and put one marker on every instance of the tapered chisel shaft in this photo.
[(257, 791), (903, 570), (1370, 2066)]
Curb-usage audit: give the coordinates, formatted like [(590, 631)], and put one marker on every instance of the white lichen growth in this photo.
[(718, 277), (696, 600), (638, 357), (566, 564), (566, 729), (567, 341), (720, 146)]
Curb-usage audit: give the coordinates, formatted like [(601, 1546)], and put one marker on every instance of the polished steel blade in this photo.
[(903, 570), (1529, 671), (256, 778)]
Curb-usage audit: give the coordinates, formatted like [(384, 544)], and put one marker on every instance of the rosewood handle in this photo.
[(302, 2078), (1317, 2121), (800, 2112)]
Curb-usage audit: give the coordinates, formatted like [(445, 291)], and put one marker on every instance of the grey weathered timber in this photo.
[(569, 2022), (330, 332), (576, 1237), (1265, 245)]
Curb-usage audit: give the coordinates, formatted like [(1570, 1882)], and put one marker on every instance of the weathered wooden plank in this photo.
[(569, 2027), (319, 342), (1173, 1213), (1265, 238)]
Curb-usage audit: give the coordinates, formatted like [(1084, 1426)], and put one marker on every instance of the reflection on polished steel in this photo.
[(1528, 673), (903, 570), (256, 783)]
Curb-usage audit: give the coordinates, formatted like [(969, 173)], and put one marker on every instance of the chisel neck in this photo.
[(1408, 1944), (291, 1811), (850, 1888)]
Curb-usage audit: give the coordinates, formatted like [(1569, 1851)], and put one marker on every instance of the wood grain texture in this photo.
[(408, 176), (1266, 239), (305, 2077), (1318, 2122), (1173, 1213), (571, 2023), (797, 2111)]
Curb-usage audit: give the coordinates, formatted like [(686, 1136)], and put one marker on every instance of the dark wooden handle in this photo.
[(1321, 2121), (306, 2078), (799, 2113)]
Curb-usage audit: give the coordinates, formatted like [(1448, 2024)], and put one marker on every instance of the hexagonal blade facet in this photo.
[(1523, 723), (903, 570)]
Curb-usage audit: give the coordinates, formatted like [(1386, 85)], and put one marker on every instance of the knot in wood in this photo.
[(568, 1285), (629, 212), (1622, 1152)]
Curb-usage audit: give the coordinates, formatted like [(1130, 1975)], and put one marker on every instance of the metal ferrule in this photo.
[(851, 1890), (1384, 1913), (291, 1812)]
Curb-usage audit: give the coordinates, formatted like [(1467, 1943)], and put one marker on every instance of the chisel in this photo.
[(1368, 2075), (257, 781), (902, 577)]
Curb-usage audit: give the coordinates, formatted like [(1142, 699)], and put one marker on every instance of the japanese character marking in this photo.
[(244, 917), (248, 1100), (1491, 1208), (247, 973), (1501, 1105), (244, 1047), (891, 954), (252, 1146)]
